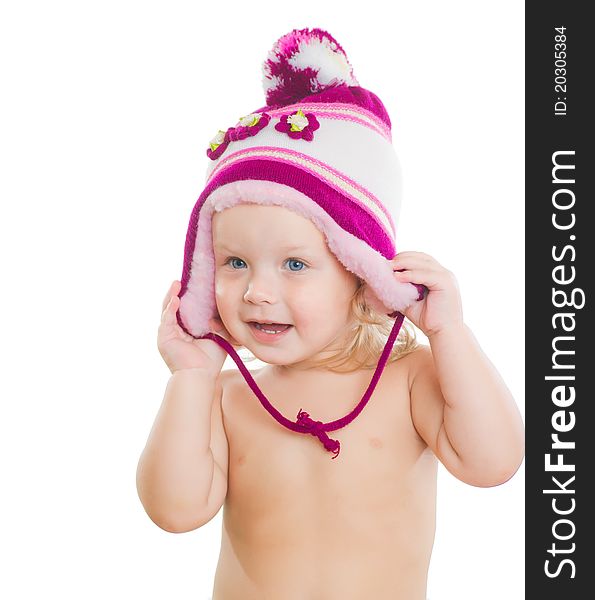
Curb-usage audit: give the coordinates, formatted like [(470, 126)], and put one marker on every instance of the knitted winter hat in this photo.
[(321, 147)]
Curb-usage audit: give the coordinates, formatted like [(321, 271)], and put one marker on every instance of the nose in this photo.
[(260, 289)]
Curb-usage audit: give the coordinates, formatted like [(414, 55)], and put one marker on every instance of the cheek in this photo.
[(219, 288), (309, 295), (314, 312), (324, 295), (224, 295), (308, 303)]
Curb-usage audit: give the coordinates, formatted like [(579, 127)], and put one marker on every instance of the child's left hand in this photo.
[(441, 308)]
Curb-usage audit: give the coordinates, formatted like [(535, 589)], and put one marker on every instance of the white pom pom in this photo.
[(304, 62), (322, 55)]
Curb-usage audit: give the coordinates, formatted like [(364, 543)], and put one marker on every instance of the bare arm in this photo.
[(464, 410), (176, 470)]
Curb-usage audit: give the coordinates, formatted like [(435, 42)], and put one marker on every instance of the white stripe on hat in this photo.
[(351, 149)]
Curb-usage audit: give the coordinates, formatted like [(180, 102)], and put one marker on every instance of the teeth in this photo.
[(259, 326)]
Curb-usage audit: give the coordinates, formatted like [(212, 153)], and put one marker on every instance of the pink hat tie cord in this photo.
[(303, 423)]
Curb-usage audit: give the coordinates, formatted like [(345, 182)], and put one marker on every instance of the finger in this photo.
[(174, 289), (167, 297), (168, 316), (432, 279), (413, 260), (410, 255), (405, 253)]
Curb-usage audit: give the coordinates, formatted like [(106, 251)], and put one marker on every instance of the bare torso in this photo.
[(299, 525)]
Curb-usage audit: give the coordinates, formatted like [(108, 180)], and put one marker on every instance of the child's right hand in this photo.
[(180, 350)]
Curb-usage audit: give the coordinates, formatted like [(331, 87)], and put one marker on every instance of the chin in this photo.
[(272, 356)]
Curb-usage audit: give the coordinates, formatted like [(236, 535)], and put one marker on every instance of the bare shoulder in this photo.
[(419, 360), (225, 377), (414, 363), (229, 378), (422, 377)]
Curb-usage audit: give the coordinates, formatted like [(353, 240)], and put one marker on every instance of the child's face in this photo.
[(258, 276)]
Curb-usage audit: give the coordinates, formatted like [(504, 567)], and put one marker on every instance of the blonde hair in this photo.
[(367, 339)]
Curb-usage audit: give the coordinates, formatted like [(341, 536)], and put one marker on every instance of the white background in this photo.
[(107, 109)]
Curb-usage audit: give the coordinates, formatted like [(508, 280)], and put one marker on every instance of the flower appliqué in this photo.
[(298, 125), (218, 144), (248, 126)]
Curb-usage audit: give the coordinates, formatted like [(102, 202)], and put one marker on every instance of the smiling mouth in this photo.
[(271, 328)]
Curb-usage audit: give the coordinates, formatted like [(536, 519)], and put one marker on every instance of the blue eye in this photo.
[(232, 258), (294, 260)]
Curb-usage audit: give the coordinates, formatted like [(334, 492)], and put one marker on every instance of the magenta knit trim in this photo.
[(351, 118), (235, 158), (344, 94), (350, 216)]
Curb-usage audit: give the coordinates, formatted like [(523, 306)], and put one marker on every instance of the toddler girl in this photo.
[(325, 459)]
